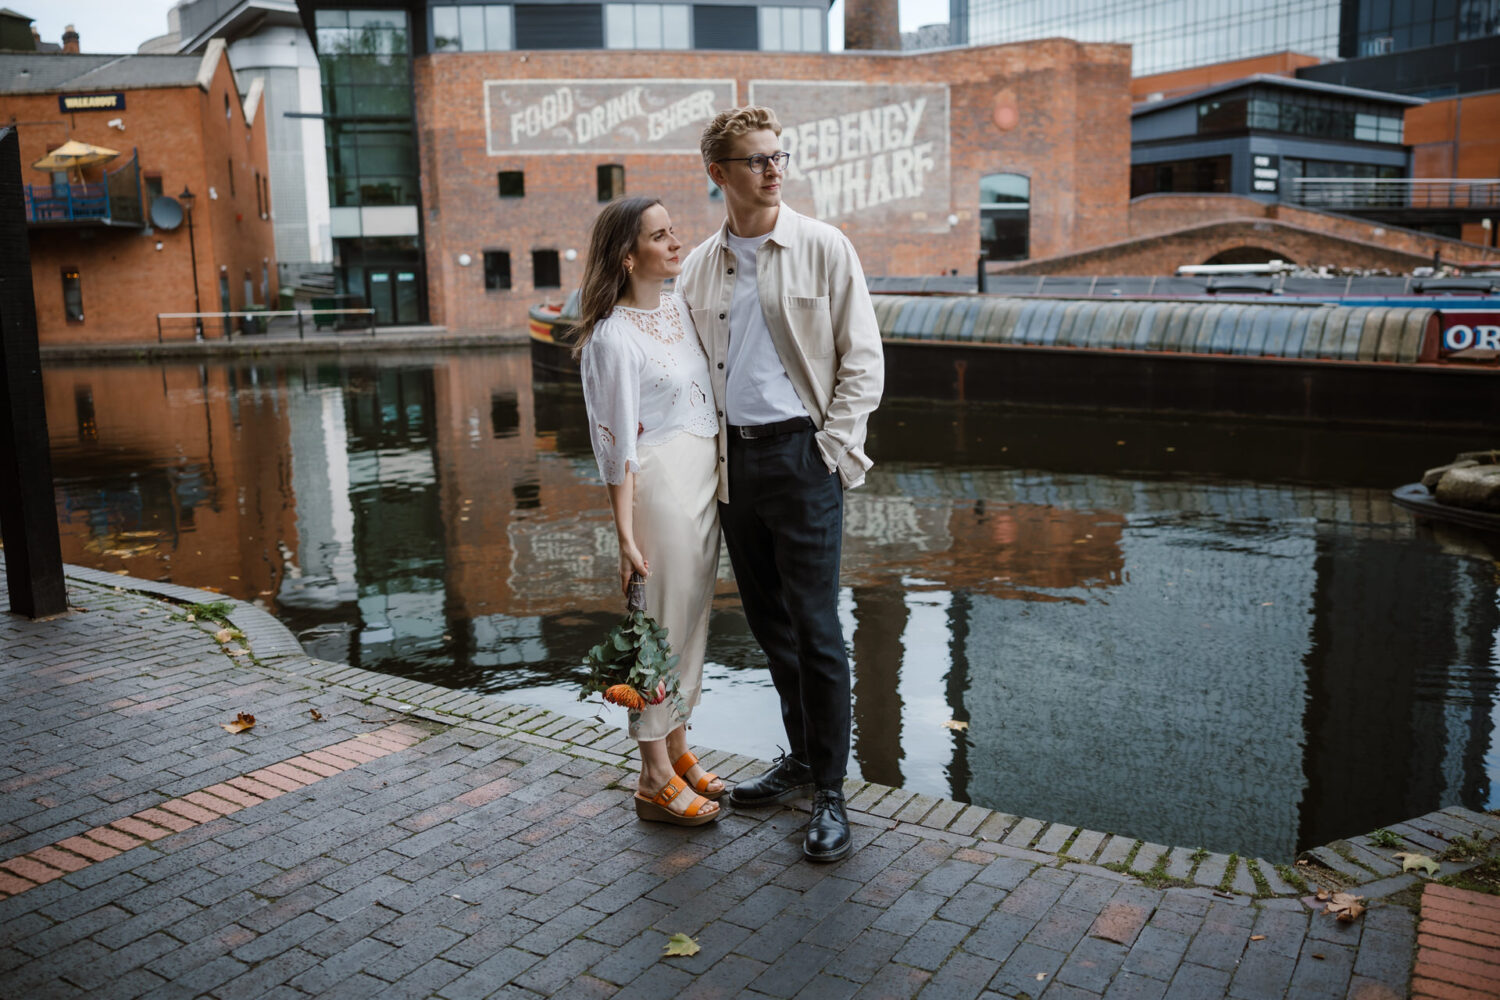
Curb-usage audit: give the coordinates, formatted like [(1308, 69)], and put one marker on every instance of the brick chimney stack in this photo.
[(871, 24), (70, 41)]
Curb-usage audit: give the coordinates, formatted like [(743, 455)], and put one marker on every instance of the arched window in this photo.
[(1005, 216)]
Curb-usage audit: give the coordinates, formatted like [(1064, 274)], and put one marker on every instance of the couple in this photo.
[(739, 400)]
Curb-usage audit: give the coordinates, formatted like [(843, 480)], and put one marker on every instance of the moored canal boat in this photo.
[(1393, 360)]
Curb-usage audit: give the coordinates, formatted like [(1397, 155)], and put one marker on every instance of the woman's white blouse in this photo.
[(644, 368)]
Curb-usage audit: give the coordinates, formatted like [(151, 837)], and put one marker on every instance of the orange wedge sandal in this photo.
[(685, 764), (655, 808)]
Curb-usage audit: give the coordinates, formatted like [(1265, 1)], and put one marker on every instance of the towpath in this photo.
[(375, 837)]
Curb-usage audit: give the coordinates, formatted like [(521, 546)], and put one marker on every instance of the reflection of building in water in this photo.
[(1385, 613), (172, 473), (324, 576)]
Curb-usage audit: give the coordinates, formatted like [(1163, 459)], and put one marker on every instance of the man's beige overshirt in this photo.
[(817, 307)]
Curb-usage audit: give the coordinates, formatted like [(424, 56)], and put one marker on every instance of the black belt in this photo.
[(777, 429)]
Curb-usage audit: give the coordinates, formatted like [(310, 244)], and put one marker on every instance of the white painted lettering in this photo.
[(1488, 337)]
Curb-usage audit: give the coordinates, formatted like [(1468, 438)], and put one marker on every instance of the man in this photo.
[(794, 353)]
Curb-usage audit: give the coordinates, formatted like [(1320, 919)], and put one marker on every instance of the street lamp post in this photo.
[(186, 198)]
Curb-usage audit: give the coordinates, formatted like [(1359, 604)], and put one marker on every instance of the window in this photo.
[(791, 29), (716, 27), (229, 165), (496, 270), (1324, 116), (646, 26), (1208, 173), (260, 205), (560, 26), (153, 188), (512, 184), (1005, 216), (545, 271), (611, 177), (72, 295), (472, 28)]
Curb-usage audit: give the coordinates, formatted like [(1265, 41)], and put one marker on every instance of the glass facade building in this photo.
[(663, 26), (1170, 35), (1166, 34), (364, 58)]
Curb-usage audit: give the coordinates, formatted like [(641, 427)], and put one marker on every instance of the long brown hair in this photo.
[(604, 276)]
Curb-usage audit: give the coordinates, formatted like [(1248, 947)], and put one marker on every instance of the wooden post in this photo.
[(28, 513)]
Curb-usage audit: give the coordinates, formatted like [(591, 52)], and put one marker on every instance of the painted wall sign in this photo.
[(861, 152), (601, 116), (1463, 330), (91, 102)]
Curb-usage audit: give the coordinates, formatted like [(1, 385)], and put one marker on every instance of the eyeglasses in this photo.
[(758, 161)]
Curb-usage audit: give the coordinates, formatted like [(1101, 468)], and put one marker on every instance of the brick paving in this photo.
[(373, 836)]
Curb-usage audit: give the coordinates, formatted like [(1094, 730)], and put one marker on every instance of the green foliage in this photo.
[(217, 611), (1387, 839), (635, 652)]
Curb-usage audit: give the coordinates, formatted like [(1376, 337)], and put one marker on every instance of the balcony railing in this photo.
[(114, 201), (1407, 195)]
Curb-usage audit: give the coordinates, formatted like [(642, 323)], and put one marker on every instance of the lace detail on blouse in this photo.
[(645, 380)]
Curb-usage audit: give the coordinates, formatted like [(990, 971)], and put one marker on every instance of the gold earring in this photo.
[(629, 268)]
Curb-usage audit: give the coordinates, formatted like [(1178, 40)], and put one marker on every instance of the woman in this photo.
[(652, 423)]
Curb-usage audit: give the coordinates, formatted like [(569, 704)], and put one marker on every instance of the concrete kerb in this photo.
[(1355, 865)]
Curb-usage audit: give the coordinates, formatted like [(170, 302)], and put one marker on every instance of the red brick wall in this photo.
[(1162, 253), (1158, 86), (1457, 137), (125, 280), (1067, 128)]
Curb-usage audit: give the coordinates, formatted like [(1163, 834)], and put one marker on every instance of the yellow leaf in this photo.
[(1257, 937), (317, 716), (955, 724), (241, 722), (1411, 862), (680, 945)]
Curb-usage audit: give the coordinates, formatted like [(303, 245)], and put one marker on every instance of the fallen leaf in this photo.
[(1042, 975), (1302, 861), (224, 634), (317, 716), (1346, 906), (680, 945), (192, 617), (955, 724), (1318, 955), (1411, 862), (242, 722), (1323, 895), (1257, 937)]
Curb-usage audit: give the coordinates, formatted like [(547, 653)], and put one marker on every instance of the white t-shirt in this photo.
[(757, 388), (644, 368)]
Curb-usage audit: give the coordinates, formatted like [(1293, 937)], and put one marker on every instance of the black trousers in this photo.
[(784, 527)]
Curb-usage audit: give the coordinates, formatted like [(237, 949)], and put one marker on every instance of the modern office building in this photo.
[(1176, 34), (266, 40), (1258, 136)]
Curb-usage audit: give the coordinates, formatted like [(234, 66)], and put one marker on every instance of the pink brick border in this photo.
[(27, 871)]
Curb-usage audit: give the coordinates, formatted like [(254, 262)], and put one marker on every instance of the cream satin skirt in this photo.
[(676, 521)]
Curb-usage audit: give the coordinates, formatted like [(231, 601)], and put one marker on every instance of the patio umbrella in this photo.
[(75, 154)]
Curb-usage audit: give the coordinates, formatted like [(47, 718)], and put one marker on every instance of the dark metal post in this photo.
[(28, 513), (299, 325), (158, 328), (979, 283), (187, 203)]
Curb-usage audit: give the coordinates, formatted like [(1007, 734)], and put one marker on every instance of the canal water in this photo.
[(1204, 634)]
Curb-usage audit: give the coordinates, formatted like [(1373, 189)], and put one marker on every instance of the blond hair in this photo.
[(730, 125)]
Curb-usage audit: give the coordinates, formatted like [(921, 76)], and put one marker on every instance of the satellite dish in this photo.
[(166, 213)]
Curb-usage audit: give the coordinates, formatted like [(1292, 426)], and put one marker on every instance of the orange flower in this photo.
[(624, 694)]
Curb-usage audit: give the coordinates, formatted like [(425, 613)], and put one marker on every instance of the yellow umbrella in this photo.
[(75, 154)]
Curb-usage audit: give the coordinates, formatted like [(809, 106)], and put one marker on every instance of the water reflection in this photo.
[(1193, 633)]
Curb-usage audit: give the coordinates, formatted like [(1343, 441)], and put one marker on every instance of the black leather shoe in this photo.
[(787, 780), (828, 837)]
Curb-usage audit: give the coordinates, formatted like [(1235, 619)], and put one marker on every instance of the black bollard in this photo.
[(980, 284), (28, 514)]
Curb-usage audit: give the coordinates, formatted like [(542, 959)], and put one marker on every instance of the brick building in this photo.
[(925, 160), (101, 272)]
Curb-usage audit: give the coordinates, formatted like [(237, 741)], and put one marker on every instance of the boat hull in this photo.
[(1415, 498)]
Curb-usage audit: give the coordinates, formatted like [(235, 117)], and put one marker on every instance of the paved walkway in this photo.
[(372, 836)]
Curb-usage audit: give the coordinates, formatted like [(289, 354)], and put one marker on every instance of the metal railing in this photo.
[(66, 202), (251, 320), (1356, 193)]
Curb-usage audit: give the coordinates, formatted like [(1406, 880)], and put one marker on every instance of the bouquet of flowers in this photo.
[(634, 664)]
